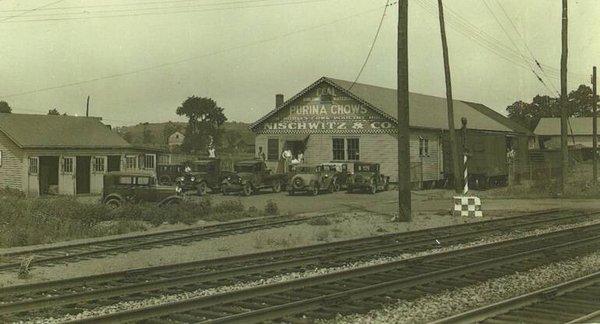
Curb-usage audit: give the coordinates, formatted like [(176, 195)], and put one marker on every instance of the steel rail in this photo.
[(400, 278), (572, 299), (328, 254)]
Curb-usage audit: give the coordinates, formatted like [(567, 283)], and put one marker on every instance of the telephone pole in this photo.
[(453, 145), (87, 107), (563, 99), (404, 194), (595, 125)]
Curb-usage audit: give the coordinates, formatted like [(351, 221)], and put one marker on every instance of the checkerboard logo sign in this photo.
[(467, 207)]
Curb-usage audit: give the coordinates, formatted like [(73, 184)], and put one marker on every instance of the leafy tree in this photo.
[(204, 119), (579, 104), (53, 112), (4, 107)]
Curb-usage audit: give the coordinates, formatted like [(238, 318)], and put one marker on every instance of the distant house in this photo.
[(547, 133), (175, 139), (44, 154)]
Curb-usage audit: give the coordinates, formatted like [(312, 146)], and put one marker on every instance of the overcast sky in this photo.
[(139, 59)]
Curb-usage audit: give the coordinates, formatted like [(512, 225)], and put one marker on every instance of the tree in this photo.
[(204, 119), (4, 107), (53, 112), (529, 114)]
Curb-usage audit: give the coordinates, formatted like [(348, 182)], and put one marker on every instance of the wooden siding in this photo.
[(13, 166)]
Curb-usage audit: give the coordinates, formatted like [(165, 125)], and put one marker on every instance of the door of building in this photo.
[(82, 175)]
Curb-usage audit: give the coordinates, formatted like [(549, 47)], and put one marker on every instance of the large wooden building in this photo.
[(335, 120), (42, 154)]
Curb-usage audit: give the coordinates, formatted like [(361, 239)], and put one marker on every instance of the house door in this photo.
[(82, 175)]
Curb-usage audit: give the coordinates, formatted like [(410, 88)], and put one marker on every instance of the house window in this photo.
[(98, 165), (273, 149), (423, 146), (67, 165), (149, 160), (353, 149), (33, 165), (339, 152), (131, 162)]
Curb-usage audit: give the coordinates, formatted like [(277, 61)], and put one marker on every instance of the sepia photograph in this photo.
[(299, 161)]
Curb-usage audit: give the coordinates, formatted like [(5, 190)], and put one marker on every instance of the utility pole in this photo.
[(595, 125), (87, 107), (404, 194), (563, 99), (453, 145)]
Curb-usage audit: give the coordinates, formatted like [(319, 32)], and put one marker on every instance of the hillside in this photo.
[(159, 132)]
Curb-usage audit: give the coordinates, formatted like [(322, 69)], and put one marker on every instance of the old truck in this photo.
[(367, 177), (313, 179), (134, 187), (252, 176), (203, 175)]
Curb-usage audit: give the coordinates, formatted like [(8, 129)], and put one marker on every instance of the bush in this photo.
[(271, 208)]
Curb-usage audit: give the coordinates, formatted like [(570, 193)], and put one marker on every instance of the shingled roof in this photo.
[(425, 111), (50, 131)]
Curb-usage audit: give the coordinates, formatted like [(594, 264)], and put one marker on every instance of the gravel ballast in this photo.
[(122, 306)]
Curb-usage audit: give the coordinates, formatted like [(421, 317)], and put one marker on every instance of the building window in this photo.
[(273, 149), (149, 160), (99, 164), (339, 152), (33, 165), (423, 146), (353, 149), (67, 165), (131, 162)]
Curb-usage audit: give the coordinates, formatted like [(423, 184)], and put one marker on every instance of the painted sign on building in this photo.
[(327, 110)]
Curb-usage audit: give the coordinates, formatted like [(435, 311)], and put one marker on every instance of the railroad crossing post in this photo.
[(463, 120), (465, 204)]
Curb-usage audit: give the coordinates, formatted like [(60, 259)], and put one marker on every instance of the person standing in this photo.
[(261, 155)]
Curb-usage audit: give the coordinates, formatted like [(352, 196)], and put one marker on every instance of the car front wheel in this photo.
[(315, 190), (247, 190)]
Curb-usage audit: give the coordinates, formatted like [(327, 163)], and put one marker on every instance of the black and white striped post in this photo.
[(465, 156)]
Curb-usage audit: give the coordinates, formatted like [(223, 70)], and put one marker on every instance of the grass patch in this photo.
[(30, 221)]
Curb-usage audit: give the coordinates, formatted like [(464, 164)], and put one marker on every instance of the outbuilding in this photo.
[(340, 121), (47, 154)]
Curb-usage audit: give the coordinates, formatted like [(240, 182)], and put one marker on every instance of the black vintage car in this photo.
[(367, 177), (313, 179), (167, 174), (202, 176), (252, 176), (134, 187)]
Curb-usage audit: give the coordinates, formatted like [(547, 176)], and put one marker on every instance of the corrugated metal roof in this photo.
[(49, 131), (425, 111), (576, 126)]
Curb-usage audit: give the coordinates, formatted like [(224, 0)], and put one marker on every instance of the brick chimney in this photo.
[(278, 100)]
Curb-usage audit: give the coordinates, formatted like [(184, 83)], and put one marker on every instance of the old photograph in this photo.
[(299, 161)]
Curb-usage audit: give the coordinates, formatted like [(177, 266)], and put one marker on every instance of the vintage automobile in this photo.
[(341, 173), (121, 187), (313, 179), (168, 174), (203, 175), (367, 177), (252, 176)]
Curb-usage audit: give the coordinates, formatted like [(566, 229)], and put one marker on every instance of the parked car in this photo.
[(202, 176), (313, 179), (367, 177), (252, 176), (168, 174), (341, 173), (121, 187)]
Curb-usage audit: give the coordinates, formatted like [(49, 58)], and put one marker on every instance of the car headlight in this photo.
[(192, 179), (180, 179), (178, 189)]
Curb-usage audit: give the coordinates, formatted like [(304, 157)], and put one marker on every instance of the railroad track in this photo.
[(362, 289), (97, 249), (575, 301), (78, 294)]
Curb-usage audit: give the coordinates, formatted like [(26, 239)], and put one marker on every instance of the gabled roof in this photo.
[(50, 131), (425, 111), (576, 126)]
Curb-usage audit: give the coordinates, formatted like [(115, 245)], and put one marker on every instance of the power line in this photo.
[(30, 10), (362, 68), (156, 13)]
